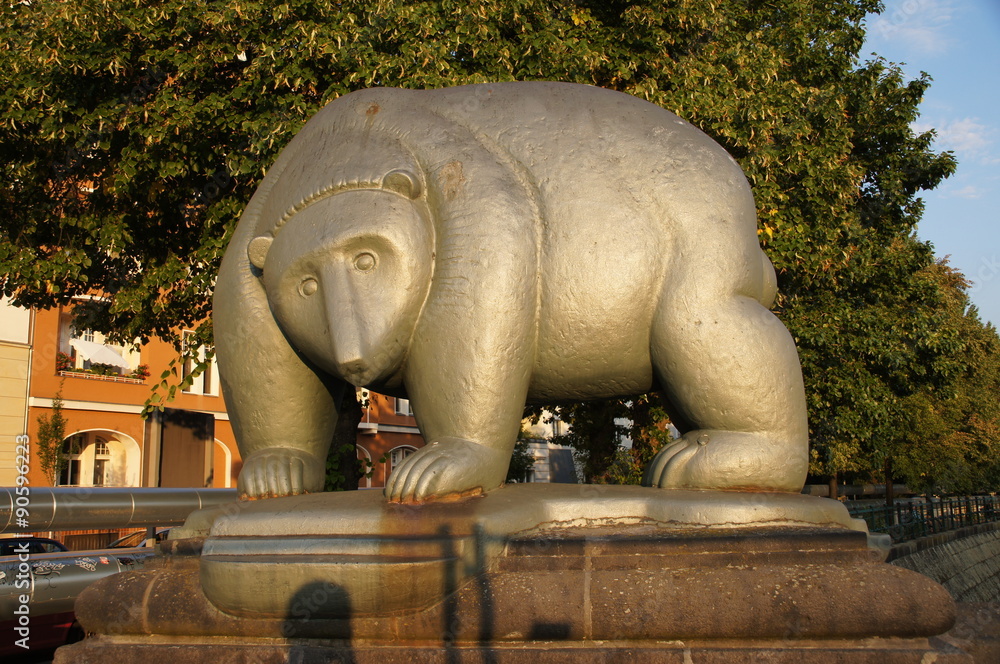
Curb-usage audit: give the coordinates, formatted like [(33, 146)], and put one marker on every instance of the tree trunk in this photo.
[(889, 496), (343, 466)]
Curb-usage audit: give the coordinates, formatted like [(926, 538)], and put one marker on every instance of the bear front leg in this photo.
[(731, 373), (467, 378), (469, 409), (280, 471), (448, 468), (283, 411)]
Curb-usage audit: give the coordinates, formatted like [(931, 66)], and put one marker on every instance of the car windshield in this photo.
[(131, 540), (138, 538), (13, 546)]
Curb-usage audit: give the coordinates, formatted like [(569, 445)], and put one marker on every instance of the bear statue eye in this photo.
[(308, 286), (364, 262)]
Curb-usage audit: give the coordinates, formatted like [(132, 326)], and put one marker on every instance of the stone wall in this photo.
[(965, 561)]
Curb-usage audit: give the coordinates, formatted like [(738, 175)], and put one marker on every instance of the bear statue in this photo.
[(479, 247)]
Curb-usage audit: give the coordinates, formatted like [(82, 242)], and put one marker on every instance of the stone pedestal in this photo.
[(584, 589)]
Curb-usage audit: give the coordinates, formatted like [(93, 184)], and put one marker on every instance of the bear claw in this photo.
[(276, 472), (446, 469), (726, 461)]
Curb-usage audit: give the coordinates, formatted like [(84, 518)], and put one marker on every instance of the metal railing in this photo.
[(912, 519), (85, 507), (93, 376)]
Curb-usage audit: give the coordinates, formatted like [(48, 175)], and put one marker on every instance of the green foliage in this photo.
[(337, 472), (49, 443), (343, 468), (175, 379), (951, 439), (133, 134), (623, 469), (599, 430), (594, 433)]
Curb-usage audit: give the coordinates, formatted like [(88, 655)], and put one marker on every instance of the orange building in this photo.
[(387, 434), (104, 388)]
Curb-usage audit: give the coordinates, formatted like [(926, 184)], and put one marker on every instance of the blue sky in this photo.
[(957, 42)]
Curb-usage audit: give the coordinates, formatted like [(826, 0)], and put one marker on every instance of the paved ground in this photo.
[(977, 631)]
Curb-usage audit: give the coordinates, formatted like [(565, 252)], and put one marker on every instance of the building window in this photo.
[(397, 455), (403, 407), (72, 452), (207, 381), (188, 367), (80, 361), (90, 351), (102, 455)]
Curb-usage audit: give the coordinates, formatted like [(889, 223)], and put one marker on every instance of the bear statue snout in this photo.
[(356, 372)]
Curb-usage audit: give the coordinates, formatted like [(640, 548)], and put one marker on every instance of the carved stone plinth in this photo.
[(576, 590)]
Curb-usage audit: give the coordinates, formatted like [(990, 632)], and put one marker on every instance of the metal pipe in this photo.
[(71, 508)]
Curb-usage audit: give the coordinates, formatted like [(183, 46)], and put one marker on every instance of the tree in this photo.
[(595, 433), (49, 444), (521, 460), (343, 468), (867, 323), (134, 133), (132, 142), (613, 439), (951, 443)]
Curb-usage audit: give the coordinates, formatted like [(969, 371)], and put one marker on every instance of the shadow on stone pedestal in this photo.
[(639, 591)]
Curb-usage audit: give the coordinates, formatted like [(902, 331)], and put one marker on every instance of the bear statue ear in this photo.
[(257, 250), (402, 182)]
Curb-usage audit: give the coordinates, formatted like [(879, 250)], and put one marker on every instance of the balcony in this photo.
[(66, 367), (104, 377)]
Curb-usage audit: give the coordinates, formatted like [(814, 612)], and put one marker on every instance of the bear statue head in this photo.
[(346, 273)]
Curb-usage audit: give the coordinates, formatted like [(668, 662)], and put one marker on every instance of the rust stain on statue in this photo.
[(453, 497), (452, 179)]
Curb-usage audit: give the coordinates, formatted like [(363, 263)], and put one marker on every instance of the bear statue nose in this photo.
[(353, 371)]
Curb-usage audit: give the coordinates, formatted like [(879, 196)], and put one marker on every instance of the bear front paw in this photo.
[(446, 469), (276, 472)]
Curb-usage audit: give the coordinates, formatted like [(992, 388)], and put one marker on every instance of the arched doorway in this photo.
[(366, 463), (100, 457)]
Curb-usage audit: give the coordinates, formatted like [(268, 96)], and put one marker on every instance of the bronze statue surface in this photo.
[(474, 248)]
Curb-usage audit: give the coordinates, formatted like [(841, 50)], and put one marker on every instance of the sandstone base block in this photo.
[(575, 590)]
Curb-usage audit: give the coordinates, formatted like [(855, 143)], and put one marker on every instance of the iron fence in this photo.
[(910, 520)]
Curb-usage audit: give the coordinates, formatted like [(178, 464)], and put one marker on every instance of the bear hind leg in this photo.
[(731, 374)]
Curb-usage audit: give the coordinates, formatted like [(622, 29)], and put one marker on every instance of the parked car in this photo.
[(10, 546), (50, 583), (139, 538)]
